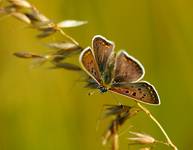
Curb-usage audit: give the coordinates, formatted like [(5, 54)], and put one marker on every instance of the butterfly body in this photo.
[(102, 89), (118, 73)]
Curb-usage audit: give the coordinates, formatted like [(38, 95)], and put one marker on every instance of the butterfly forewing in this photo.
[(127, 68), (102, 50), (89, 64), (140, 91)]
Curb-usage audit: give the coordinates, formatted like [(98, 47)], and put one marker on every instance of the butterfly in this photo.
[(116, 72)]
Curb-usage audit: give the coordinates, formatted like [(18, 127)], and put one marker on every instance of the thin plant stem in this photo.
[(159, 125), (161, 142), (67, 36), (115, 136), (115, 142)]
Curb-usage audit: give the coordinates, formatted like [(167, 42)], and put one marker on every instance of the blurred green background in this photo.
[(50, 109)]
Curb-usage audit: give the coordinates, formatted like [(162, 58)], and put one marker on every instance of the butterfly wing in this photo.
[(89, 64), (140, 91), (102, 50), (127, 68)]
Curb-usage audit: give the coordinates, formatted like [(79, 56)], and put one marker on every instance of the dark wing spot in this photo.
[(127, 91), (134, 94)]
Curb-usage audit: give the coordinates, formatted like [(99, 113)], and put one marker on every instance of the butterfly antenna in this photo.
[(91, 93), (94, 92)]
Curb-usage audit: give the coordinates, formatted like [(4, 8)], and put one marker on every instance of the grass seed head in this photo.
[(20, 3), (141, 138)]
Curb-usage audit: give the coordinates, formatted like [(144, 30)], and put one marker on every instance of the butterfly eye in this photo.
[(102, 89)]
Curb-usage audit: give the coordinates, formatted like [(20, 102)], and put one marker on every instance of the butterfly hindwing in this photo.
[(102, 49), (141, 91), (89, 64), (127, 68)]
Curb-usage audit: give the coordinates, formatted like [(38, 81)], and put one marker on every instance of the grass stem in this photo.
[(159, 125)]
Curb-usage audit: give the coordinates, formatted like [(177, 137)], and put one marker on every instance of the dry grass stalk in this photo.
[(121, 114), (29, 14), (169, 142)]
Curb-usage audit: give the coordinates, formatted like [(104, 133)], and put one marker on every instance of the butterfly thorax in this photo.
[(105, 83)]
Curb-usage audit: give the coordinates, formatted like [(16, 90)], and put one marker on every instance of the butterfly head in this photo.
[(102, 89)]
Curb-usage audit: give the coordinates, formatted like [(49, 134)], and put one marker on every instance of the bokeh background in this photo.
[(43, 109)]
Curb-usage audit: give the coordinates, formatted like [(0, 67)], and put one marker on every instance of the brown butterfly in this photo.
[(119, 73)]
